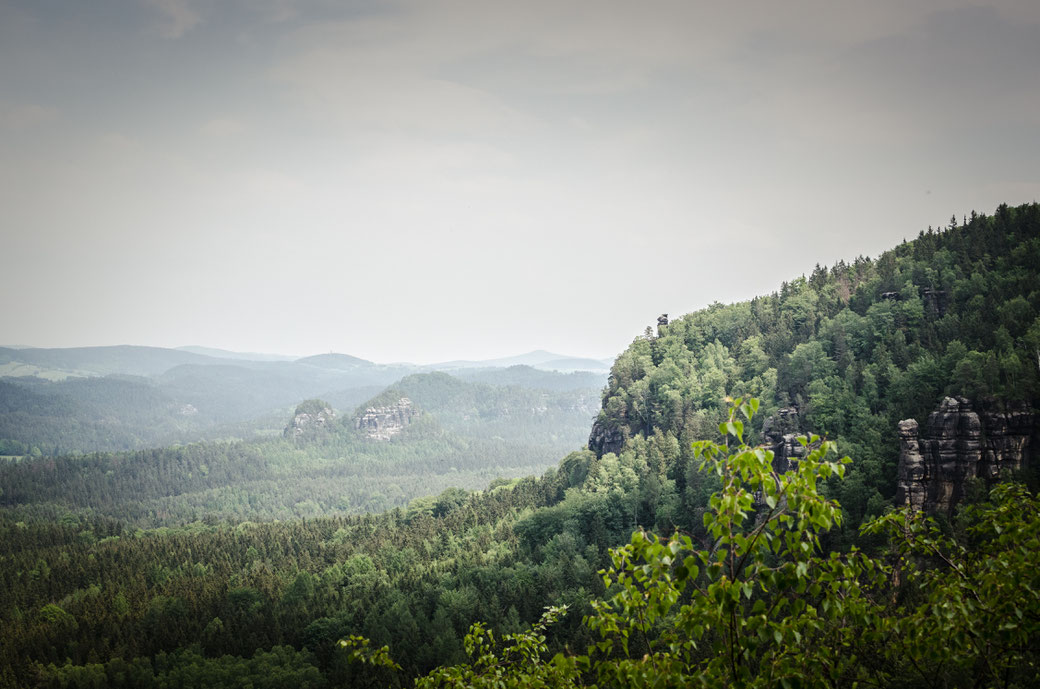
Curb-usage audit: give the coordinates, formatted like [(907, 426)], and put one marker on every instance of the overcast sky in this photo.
[(435, 179)]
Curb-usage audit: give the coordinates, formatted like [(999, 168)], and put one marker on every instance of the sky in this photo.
[(432, 180)]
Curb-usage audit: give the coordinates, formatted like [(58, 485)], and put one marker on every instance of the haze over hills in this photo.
[(536, 359), (99, 361), (144, 360), (126, 397), (227, 354)]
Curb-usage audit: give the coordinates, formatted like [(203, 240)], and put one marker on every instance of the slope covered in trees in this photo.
[(852, 349)]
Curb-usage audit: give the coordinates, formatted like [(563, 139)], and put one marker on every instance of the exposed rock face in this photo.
[(1009, 439), (603, 439), (311, 418), (382, 423), (911, 479), (935, 301), (780, 434), (959, 444)]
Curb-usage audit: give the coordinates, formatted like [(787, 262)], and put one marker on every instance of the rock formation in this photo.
[(604, 439), (780, 434), (382, 423), (935, 301), (911, 477), (960, 444), (1010, 438), (311, 417)]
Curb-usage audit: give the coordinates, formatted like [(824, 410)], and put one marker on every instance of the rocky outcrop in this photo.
[(311, 418), (959, 444), (912, 487), (935, 301), (1009, 439), (605, 438), (780, 434), (382, 423)]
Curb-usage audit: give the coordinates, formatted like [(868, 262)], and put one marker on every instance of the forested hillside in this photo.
[(769, 578), (851, 349)]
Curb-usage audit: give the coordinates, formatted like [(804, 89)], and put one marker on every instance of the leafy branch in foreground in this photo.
[(972, 615), (762, 604)]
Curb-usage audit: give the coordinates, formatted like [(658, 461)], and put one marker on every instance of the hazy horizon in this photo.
[(427, 181), (242, 354)]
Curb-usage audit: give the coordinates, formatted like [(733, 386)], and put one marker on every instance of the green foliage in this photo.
[(853, 349), (361, 652), (312, 406), (519, 660), (765, 605), (414, 583), (972, 611)]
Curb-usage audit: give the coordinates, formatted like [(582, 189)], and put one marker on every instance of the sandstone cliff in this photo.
[(382, 423), (310, 418), (959, 444), (605, 438)]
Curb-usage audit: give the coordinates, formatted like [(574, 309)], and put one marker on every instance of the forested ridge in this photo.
[(852, 349), (769, 578)]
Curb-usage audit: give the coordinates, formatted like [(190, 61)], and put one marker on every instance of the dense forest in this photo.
[(806, 578)]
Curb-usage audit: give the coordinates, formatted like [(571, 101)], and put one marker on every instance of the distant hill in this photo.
[(577, 364), (342, 362), (536, 359), (84, 414), (530, 377), (528, 416), (100, 361), (226, 354)]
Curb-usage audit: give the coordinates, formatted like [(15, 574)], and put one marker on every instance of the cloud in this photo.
[(178, 17), (26, 116), (497, 67)]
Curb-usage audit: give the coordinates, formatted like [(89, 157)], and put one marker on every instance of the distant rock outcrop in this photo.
[(604, 438), (382, 423), (780, 434), (959, 444), (311, 418)]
